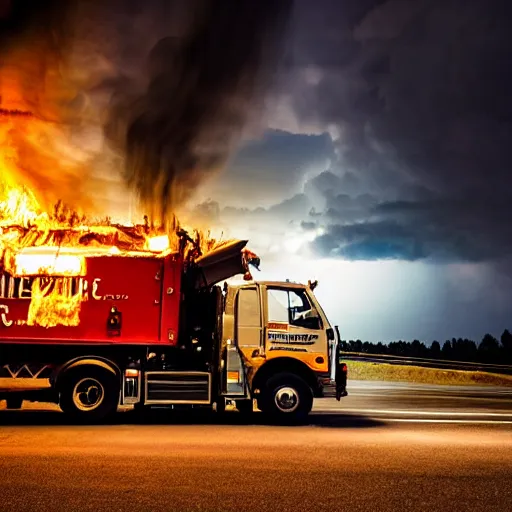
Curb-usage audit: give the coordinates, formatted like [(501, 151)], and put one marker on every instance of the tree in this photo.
[(464, 350), (368, 348), (446, 351), (506, 346), (435, 349), (380, 348), (399, 348), (489, 349), (417, 349), (470, 350)]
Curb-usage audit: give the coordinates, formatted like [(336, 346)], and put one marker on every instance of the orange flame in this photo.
[(39, 167)]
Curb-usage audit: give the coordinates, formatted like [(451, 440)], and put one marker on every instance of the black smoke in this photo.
[(202, 86)]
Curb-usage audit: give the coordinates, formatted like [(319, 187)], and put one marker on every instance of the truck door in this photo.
[(248, 339), (248, 320), (295, 328)]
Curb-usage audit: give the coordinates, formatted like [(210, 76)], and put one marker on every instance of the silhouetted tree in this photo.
[(489, 349), (464, 350), (418, 349), (399, 348), (380, 348), (446, 351), (506, 346), (435, 350), (458, 349), (367, 348)]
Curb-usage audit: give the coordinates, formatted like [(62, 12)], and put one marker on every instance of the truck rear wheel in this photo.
[(89, 393), (286, 396)]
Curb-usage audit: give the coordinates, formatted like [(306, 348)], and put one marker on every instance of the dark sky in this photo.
[(390, 140)]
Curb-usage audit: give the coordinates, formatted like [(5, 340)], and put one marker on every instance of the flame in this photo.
[(41, 239), (51, 250), (53, 303), (47, 261), (158, 243)]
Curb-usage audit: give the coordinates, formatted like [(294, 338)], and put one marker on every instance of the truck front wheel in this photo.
[(286, 396), (89, 393)]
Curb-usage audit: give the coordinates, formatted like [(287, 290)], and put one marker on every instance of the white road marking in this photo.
[(437, 392), (419, 413), (461, 422), (429, 397)]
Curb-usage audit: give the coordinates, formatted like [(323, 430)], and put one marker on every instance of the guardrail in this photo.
[(440, 364)]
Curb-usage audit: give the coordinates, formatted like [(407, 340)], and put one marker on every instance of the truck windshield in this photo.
[(319, 308), (292, 306)]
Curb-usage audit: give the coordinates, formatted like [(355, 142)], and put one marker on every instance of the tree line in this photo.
[(490, 350)]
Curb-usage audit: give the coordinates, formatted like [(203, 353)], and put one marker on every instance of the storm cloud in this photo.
[(271, 167), (416, 97)]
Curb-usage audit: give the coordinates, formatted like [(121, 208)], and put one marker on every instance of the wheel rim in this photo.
[(88, 394), (287, 399)]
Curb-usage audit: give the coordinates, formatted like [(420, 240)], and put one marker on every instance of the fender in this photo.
[(284, 364), (99, 362)]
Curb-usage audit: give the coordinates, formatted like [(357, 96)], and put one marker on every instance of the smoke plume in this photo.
[(201, 85), (170, 83)]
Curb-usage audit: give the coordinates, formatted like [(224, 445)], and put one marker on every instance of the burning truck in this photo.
[(108, 316), (97, 315)]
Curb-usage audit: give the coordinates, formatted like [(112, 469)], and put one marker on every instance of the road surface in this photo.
[(385, 447)]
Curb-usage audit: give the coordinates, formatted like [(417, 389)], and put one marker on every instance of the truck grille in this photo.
[(178, 388)]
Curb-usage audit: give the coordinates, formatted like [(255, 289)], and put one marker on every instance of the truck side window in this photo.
[(249, 318), (293, 307), (248, 307)]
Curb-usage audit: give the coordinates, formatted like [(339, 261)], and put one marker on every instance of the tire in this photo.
[(89, 393), (244, 406), (14, 402), (286, 396)]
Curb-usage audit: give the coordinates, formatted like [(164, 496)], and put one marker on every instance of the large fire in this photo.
[(46, 248), (74, 109)]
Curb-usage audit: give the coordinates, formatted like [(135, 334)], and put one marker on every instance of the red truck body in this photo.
[(145, 291)]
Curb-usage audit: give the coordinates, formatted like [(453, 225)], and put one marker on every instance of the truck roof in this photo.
[(280, 284)]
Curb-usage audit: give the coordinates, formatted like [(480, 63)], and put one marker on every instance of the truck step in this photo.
[(163, 387)]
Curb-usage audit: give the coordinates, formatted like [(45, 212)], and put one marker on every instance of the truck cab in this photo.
[(278, 347)]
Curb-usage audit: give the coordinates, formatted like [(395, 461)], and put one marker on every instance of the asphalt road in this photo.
[(385, 447)]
